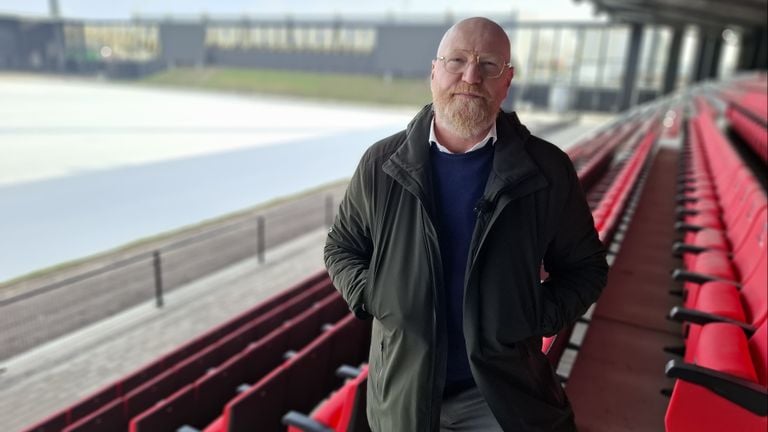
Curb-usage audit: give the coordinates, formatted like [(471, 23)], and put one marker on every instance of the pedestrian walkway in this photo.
[(42, 381)]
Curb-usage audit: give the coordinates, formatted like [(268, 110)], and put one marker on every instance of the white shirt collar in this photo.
[(491, 136)]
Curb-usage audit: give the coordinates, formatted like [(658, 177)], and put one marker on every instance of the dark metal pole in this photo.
[(761, 56), (328, 210), (701, 56), (158, 279), (714, 56), (580, 38), (629, 84), (530, 67), (260, 243), (651, 61), (554, 54), (673, 60), (601, 60), (750, 49)]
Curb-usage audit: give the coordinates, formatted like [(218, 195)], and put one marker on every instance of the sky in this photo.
[(124, 9)]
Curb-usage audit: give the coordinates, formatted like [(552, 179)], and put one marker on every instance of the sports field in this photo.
[(338, 87), (88, 166)]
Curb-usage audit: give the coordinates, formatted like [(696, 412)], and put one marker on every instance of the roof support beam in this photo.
[(629, 85), (673, 60), (705, 12)]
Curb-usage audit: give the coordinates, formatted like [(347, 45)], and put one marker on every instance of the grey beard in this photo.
[(465, 120)]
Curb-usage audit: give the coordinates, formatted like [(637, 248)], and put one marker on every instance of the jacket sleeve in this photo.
[(348, 247), (575, 261)]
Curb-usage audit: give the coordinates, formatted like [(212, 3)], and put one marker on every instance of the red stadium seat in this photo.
[(215, 389), (108, 417), (293, 387), (164, 416), (727, 388), (343, 411)]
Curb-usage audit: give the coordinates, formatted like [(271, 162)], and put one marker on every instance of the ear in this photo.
[(510, 76), (432, 71)]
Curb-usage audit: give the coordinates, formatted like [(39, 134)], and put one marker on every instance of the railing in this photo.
[(38, 315)]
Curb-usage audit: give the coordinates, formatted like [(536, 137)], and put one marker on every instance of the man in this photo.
[(440, 239)]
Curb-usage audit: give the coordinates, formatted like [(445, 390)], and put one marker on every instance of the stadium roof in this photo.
[(707, 13)]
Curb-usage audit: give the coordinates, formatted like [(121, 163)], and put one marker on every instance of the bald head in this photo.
[(467, 94), (476, 34)]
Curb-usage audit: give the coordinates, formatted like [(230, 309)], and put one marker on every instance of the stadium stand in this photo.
[(298, 384), (205, 373), (263, 315), (258, 361), (283, 364), (721, 379), (721, 218), (728, 175)]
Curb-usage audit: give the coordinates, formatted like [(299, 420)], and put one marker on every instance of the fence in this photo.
[(47, 312)]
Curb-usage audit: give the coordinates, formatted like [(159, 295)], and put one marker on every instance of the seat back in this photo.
[(747, 258), (300, 382), (753, 292), (758, 350), (108, 417), (261, 407), (353, 417), (168, 413), (693, 407), (750, 201)]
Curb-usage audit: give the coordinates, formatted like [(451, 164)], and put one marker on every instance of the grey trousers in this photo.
[(467, 411)]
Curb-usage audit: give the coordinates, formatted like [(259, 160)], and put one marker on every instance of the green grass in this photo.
[(351, 88)]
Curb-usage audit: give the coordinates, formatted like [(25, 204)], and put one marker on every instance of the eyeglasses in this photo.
[(491, 65)]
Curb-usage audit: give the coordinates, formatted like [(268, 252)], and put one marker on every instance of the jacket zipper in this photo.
[(427, 223), (483, 230), (434, 320)]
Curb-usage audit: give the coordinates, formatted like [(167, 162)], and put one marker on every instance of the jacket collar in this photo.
[(511, 162)]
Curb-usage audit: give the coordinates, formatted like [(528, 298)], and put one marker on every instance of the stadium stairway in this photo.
[(618, 364)]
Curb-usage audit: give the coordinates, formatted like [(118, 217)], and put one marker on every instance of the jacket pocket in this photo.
[(378, 363), (544, 376), (382, 366)]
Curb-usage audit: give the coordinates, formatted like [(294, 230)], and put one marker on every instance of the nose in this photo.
[(471, 74)]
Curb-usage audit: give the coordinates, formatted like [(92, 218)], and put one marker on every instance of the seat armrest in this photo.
[(681, 275), (304, 422), (683, 198), (748, 395), (348, 372), (682, 226), (680, 248), (683, 314), (682, 211)]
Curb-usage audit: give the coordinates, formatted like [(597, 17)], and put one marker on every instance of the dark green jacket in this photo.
[(383, 255)]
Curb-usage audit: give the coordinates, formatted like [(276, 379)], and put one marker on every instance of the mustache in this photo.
[(471, 89)]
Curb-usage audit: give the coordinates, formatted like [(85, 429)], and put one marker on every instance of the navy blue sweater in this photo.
[(458, 181)]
